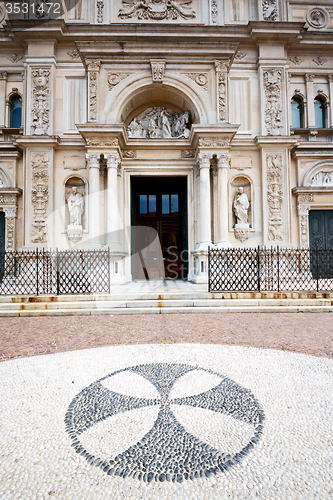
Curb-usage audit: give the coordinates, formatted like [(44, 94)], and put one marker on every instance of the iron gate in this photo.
[(274, 269), (38, 272)]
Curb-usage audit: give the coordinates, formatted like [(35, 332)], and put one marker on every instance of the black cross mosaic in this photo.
[(167, 452)]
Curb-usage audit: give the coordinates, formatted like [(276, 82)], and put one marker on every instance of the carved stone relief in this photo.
[(239, 55), (320, 61), (303, 206), (93, 70), (156, 10), (296, 60), (115, 78), (10, 233), (322, 179), (214, 11), (100, 11), (317, 17), (40, 196), (158, 123), (221, 68), (3, 75), (130, 153), (200, 79), (213, 142), (273, 101), (275, 196), (187, 153), (74, 54), (15, 58), (102, 141), (270, 10), (40, 101), (157, 70)]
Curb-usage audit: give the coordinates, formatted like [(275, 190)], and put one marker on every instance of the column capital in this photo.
[(113, 160), (10, 212), (223, 160), (309, 77), (222, 66), (92, 160), (3, 75), (93, 64), (204, 161), (330, 77)]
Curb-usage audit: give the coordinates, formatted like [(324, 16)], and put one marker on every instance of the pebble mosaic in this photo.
[(167, 422)]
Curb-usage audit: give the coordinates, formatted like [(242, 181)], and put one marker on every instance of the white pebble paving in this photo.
[(293, 458)]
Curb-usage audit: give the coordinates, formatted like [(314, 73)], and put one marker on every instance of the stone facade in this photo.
[(204, 90)]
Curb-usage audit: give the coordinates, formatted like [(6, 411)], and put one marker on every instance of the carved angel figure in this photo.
[(156, 9)]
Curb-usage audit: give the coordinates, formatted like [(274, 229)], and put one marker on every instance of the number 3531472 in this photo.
[(41, 8)]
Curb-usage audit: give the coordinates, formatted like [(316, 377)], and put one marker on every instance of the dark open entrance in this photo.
[(160, 203), (321, 243)]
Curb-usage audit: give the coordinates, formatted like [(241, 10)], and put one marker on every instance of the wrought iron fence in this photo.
[(270, 269), (37, 272)]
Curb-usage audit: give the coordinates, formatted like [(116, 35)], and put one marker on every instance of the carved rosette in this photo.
[(270, 10), (275, 179), (221, 68), (40, 101), (93, 67), (157, 70), (40, 196), (273, 101)]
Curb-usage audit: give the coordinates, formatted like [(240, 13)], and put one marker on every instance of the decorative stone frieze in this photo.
[(93, 66), (102, 141), (270, 10), (100, 11), (200, 79), (273, 101), (40, 101), (156, 11), (157, 70), (39, 196), (221, 68), (115, 78), (275, 181), (213, 142), (322, 179)]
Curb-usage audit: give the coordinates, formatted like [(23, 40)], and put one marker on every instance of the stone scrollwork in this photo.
[(40, 101), (159, 123), (213, 142), (270, 10), (102, 141), (157, 70), (156, 10), (93, 66), (40, 196), (275, 181), (273, 101)]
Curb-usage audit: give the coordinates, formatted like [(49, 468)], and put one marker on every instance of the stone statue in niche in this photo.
[(241, 206), (75, 207), (159, 123)]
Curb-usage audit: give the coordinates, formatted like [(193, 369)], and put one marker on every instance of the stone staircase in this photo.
[(164, 299)]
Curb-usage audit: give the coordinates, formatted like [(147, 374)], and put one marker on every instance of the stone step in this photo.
[(166, 310)]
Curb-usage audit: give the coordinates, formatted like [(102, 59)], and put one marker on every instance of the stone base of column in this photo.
[(117, 268), (199, 273)]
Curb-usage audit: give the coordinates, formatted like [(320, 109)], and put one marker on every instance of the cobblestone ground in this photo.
[(304, 333)]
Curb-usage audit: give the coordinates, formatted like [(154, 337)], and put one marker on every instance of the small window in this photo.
[(296, 113), (165, 204), (16, 112), (320, 113), (143, 204), (152, 203)]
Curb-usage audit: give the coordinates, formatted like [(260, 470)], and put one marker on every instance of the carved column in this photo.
[(40, 197), (113, 163), (221, 68), (94, 198), (303, 207), (205, 203), (93, 66), (330, 81), (310, 101), (222, 200), (3, 79)]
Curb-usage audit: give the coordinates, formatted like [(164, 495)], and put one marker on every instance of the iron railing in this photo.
[(270, 269), (38, 272)]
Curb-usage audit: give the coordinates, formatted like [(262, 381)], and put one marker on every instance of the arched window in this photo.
[(297, 115), (15, 112), (320, 112)]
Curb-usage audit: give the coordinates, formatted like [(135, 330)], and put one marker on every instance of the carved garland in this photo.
[(273, 101), (40, 101), (40, 196), (275, 197)]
